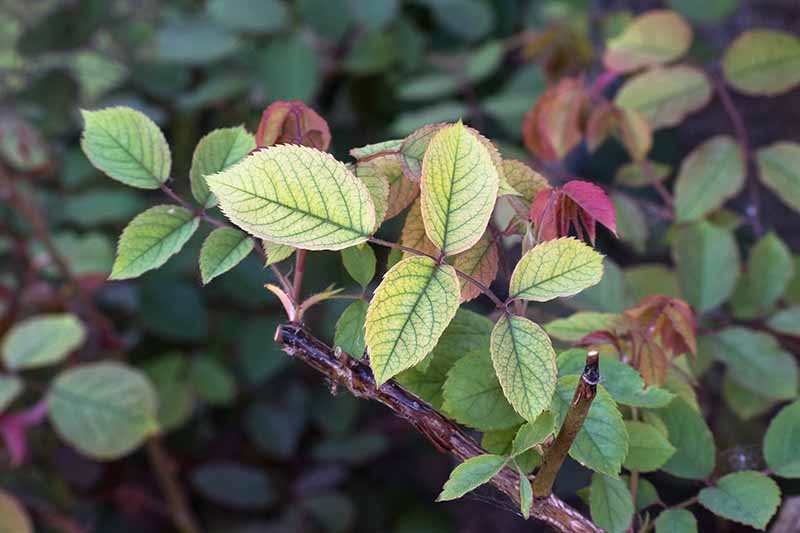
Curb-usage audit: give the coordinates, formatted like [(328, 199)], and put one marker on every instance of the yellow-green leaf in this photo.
[(408, 313), (763, 62), (713, 173), (459, 187), (480, 262), (276, 252), (127, 146), (151, 239), (526, 181), (297, 196), (470, 475), (557, 268), (222, 250), (215, 152), (42, 340), (105, 410), (525, 364), (665, 95), (653, 38), (779, 169)]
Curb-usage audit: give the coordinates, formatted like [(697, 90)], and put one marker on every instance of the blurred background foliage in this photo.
[(262, 445)]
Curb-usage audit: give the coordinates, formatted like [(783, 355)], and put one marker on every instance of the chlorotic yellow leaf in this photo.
[(413, 233), (525, 364), (459, 188), (665, 95), (710, 175), (151, 239), (526, 181), (480, 262), (779, 169), (372, 174), (223, 249), (402, 191), (297, 196), (215, 152), (127, 146), (557, 268), (653, 38), (763, 62), (408, 313)]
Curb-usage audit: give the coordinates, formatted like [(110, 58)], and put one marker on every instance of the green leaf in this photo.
[(631, 221), (297, 83), (744, 402), (374, 15), (222, 250), (467, 332), (676, 521), (713, 11), (689, 434), (525, 494), (13, 516), (459, 187), (786, 321), (408, 313), (350, 329), (782, 442), (212, 381), (127, 146), (297, 196), (633, 175), (557, 268), (707, 260), (610, 503), (748, 497), (214, 153), (779, 169), (622, 381), (611, 295), (763, 62), (532, 433), (576, 326), (769, 269), (169, 374), (647, 279), (151, 239), (10, 388), (234, 485), (525, 364), (276, 252), (42, 340), (257, 16), (653, 38), (473, 397), (665, 95), (98, 206), (359, 261), (105, 410), (470, 475), (602, 442), (757, 362), (648, 449), (194, 40), (712, 174)]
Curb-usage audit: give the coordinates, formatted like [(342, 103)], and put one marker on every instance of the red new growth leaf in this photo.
[(292, 123), (577, 204)]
